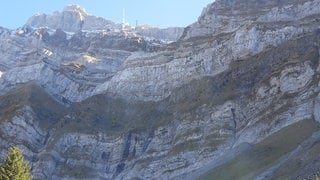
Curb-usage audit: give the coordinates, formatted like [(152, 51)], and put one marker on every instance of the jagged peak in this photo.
[(76, 8)]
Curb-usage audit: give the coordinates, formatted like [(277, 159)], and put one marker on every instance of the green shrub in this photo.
[(14, 166)]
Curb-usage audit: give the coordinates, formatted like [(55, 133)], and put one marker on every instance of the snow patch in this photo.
[(69, 34), (20, 32), (89, 59), (47, 52)]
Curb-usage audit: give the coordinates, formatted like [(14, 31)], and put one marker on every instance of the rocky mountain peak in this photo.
[(75, 7), (72, 19)]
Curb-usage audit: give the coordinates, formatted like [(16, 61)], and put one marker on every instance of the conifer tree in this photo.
[(14, 166)]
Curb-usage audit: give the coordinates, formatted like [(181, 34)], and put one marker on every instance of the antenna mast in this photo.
[(123, 16)]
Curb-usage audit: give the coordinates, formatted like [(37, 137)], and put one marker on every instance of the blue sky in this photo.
[(159, 13)]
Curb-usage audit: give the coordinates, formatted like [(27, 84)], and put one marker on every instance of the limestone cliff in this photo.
[(240, 83)]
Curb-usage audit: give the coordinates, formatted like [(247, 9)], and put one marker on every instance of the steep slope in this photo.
[(240, 81), (229, 15), (251, 163), (27, 115), (130, 137)]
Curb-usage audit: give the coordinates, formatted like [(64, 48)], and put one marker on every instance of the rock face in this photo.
[(113, 104), (168, 34), (73, 18)]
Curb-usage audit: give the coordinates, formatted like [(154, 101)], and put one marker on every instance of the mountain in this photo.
[(235, 97), (73, 18)]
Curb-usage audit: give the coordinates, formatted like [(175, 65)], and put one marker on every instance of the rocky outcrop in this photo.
[(228, 16), (73, 18), (167, 34), (114, 105)]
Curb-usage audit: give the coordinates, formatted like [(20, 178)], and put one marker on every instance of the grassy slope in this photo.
[(266, 153)]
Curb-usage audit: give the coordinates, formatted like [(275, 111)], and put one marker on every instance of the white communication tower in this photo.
[(123, 16)]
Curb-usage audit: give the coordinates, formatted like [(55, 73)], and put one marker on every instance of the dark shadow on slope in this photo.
[(47, 111)]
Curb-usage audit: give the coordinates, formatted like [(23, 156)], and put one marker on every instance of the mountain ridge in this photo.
[(124, 106), (74, 18)]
